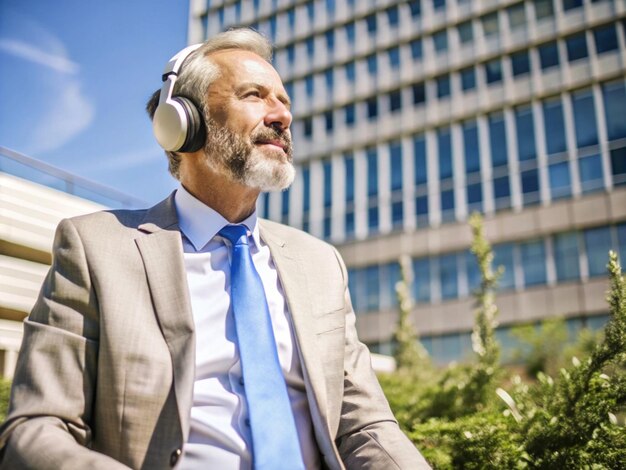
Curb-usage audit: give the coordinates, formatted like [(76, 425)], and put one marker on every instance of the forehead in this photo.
[(238, 67)]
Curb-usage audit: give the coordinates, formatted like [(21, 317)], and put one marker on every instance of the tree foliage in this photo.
[(479, 416)]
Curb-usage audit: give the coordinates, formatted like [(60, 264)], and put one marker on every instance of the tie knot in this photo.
[(236, 234)]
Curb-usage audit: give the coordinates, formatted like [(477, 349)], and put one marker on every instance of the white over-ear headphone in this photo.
[(177, 123)]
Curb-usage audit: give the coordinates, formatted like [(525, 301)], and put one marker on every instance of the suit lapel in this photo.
[(161, 251), (294, 283)]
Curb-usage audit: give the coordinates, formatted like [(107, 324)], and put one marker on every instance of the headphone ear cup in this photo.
[(196, 130)]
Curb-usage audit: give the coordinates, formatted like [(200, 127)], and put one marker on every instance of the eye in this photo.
[(252, 94)]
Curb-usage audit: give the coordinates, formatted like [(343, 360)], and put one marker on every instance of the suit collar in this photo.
[(162, 216)]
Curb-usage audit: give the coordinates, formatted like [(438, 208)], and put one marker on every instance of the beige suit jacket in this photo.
[(105, 375)]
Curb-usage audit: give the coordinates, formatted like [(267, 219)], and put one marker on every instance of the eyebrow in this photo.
[(282, 96)]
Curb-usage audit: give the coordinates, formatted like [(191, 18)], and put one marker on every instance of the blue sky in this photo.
[(75, 78)]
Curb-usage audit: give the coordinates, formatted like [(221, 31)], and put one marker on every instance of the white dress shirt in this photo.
[(219, 436)]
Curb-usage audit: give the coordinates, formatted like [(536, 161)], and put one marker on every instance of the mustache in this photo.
[(269, 133)]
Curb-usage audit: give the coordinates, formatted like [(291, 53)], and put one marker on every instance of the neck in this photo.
[(233, 201)]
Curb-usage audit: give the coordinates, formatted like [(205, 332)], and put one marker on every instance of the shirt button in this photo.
[(175, 456)]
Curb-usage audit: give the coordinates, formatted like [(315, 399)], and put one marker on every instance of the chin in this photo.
[(269, 174)]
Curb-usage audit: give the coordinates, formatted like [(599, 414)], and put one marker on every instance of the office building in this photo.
[(409, 115)]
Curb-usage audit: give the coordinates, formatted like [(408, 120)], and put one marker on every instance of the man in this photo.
[(193, 334)]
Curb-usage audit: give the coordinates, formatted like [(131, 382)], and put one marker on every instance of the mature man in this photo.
[(193, 334)]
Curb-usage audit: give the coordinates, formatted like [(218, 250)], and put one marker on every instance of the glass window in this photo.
[(548, 55), (590, 169), (618, 166), (416, 7), (419, 155), (443, 86), (517, 15), (328, 121), (569, 4), (503, 256), (448, 276), (372, 288), (310, 46), (439, 4), (475, 197), (533, 255), (544, 9), (328, 183), (394, 57), (350, 116), (397, 214), (597, 244), (447, 205), (444, 149), (308, 126), (284, 209), (470, 147), (372, 172), (468, 78), (490, 24), (329, 79), (525, 133), (606, 38), (554, 126), (502, 192), (530, 186), (421, 210), (310, 7), (372, 108), (391, 277), (392, 15), (419, 93), (566, 253), (330, 39), (466, 33), (395, 100), (472, 271), (291, 53), (370, 20), (306, 197), (354, 286), (621, 239), (493, 71), (349, 175), (497, 140), (576, 46), (520, 63), (614, 97), (421, 280), (440, 40), (584, 119), (350, 32), (416, 49), (395, 154), (560, 183), (308, 85), (350, 71), (372, 64)]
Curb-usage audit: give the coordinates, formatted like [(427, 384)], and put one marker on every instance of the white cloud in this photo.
[(126, 161), (31, 53)]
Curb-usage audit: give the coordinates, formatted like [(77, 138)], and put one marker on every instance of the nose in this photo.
[(278, 115)]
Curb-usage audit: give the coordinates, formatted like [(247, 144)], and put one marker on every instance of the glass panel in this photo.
[(525, 133), (444, 148), (493, 71), (328, 184), (349, 175), (440, 41), (372, 172), (416, 49), (419, 93), (443, 86), (448, 276), (517, 16), (394, 57), (439, 4), (614, 97), (490, 24), (468, 78), (554, 126), (544, 9), (530, 186), (350, 114), (597, 244), (591, 177), (621, 240), (421, 279), (473, 273), (584, 119), (566, 253), (466, 33), (370, 21), (497, 140), (350, 71), (520, 63), (372, 288), (447, 205), (576, 47), (416, 7), (395, 101), (306, 189), (395, 154), (560, 183), (419, 155), (549, 55), (502, 192), (475, 197), (569, 4), (606, 38), (470, 147), (392, 15), (533, 256), (372, 108), (503, 256), (618, 166)]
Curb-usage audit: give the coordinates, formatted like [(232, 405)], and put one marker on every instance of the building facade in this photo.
[(410, 115)]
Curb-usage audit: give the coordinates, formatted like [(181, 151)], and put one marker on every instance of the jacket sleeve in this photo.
[(368, 435), (48, 423)]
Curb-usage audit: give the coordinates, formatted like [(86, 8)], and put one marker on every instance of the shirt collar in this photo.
[(200, 223)]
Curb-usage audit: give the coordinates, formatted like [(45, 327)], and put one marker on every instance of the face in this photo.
[(248, 137)]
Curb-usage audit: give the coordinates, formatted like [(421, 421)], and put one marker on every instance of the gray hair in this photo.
[(199, 71)]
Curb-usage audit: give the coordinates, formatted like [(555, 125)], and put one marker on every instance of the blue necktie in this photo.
[(275, 444)]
